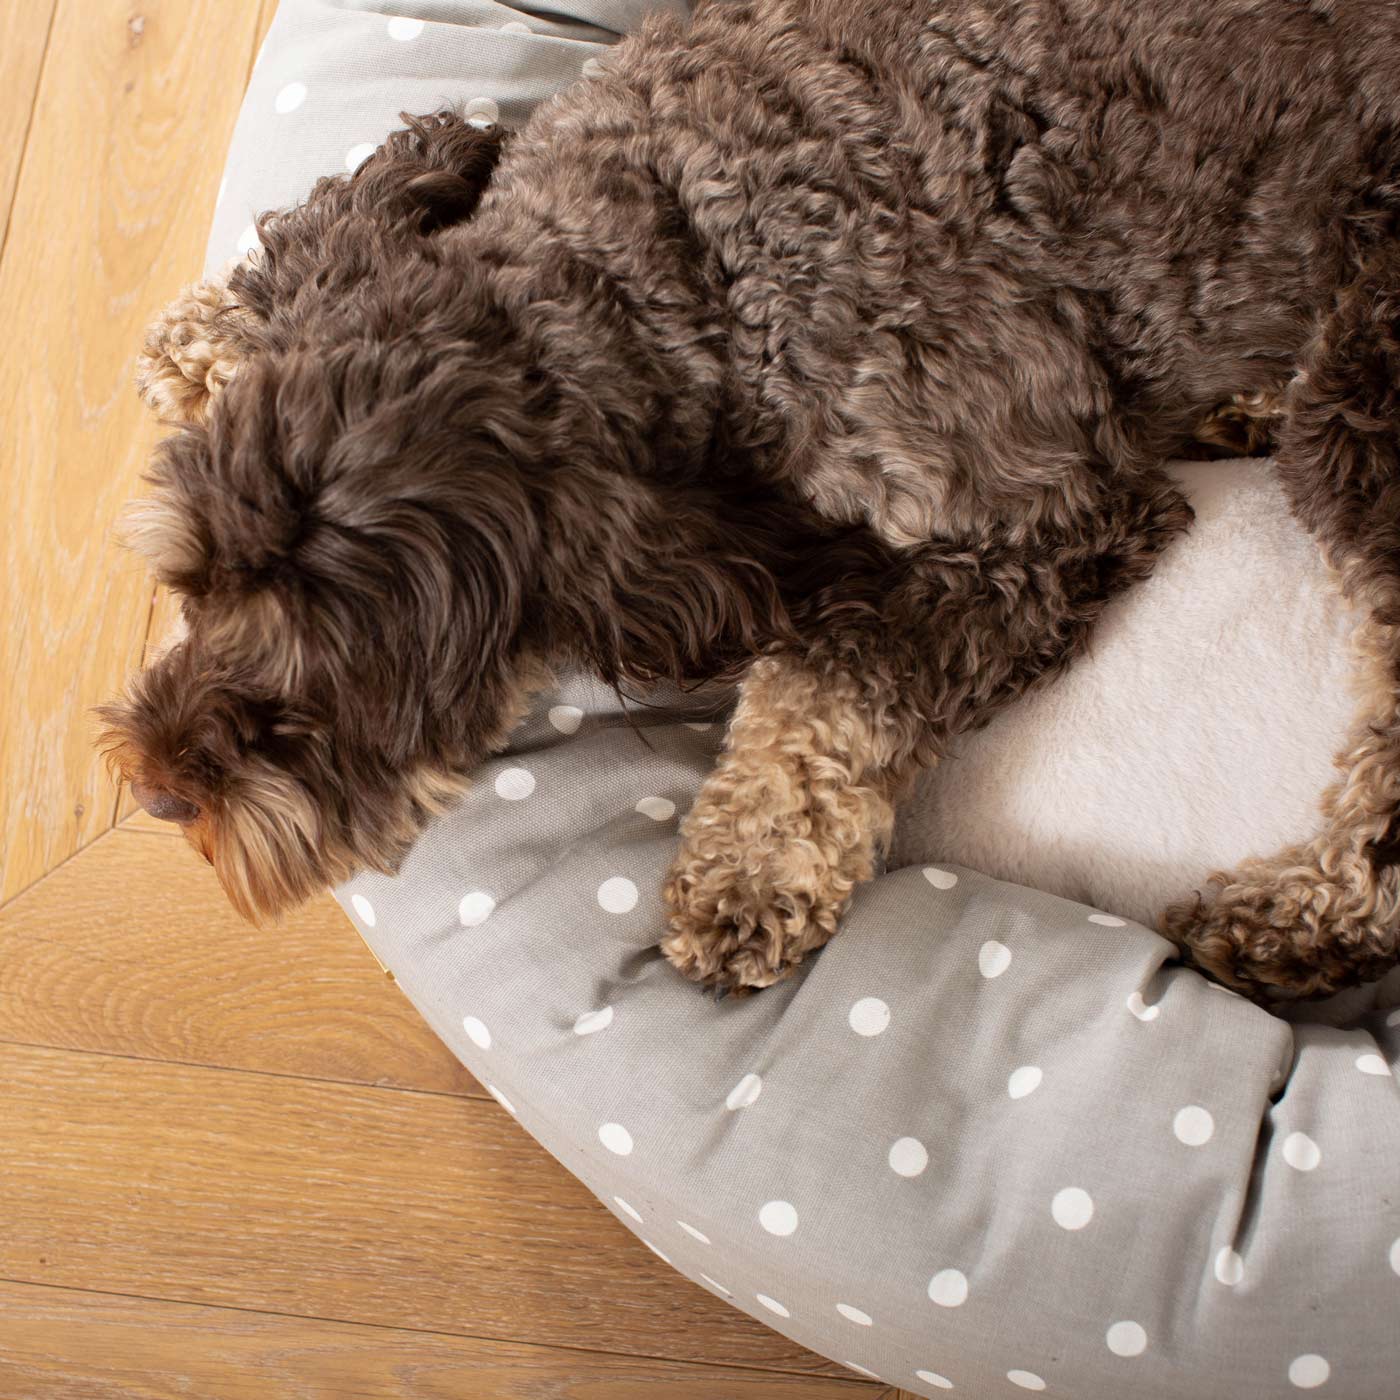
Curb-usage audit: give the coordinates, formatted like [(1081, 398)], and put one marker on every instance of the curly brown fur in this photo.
[(1326, 913), (422, 179), (849, 335), (191, 351), (790, 822), (1244, 427)]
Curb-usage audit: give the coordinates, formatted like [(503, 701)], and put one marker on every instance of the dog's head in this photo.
[(353, 583), (397, 494), (351, 572)]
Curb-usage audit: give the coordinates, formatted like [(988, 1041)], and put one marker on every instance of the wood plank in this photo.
[(351, 1204), (56, 1344), (266, 10), (24, 33), (130, 948), (165, 606), (109, 216)]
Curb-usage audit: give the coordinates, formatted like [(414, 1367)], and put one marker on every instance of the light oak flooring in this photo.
[(233, 1163)]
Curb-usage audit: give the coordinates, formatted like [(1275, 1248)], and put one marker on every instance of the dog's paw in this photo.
[(738, 929), (1301, 937), (759, 884)]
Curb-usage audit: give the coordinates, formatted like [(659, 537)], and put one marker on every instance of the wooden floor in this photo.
[(233, 1163)]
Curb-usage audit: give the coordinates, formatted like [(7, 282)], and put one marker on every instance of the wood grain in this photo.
[(165, 606), (130, 104), (334, 1201), (187, 1111), (131, 948), (57, 1345), (24, 32)]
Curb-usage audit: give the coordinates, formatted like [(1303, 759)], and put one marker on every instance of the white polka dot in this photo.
[(290, 98), (364, 909), (934, 1379), (1394, 1018), (1027, 1380), (515, 784), (1141, 1009), (475, 908), (481, 112), (869, 1016), (516, 26), (593, 69), (860, 1370), (356, 156), (656, 1251), (1126, 1339), (1229, 1267), (1193, 1125), (940, 879), (698, 727), (617, 895), (693, 1232), (1072, 1208), (861, 1319), (1023, 1081), (593, 1021), (1301, 1152), (476, 1032), (948, 1288), (718, 1287), (744, 1093), (1395, 1255), (501, 1099), (1309, 1371), (772, 1304), (615, 1138), (778, 1217), (659, 809), (566, 718), (908, 1157), (628, 1210), (1372, 1064), (1107, 921), (993, 958), (404, 29), (248, 241)]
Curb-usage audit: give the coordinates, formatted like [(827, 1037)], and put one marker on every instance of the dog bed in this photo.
[(991, 1140)]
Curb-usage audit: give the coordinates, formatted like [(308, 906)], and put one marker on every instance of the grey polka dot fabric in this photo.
[(333, 76), (988, 1142)]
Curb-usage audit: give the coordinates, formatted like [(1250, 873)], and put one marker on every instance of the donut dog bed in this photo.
[(992, 1139)]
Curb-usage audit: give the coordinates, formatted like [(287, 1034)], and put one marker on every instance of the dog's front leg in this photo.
[(792, 819)]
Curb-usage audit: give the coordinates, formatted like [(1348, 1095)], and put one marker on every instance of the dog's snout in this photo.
[(164, 806)]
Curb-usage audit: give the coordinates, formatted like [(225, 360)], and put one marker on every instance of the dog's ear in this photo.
[(431, 174), (424, 178), (191, 351)]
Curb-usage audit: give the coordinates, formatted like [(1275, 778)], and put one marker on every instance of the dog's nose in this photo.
[(164, 806)]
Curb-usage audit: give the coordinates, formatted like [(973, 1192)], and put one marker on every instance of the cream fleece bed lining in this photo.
[(1199, 730)]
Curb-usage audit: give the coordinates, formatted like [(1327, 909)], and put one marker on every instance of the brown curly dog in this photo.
[(836, 347)]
